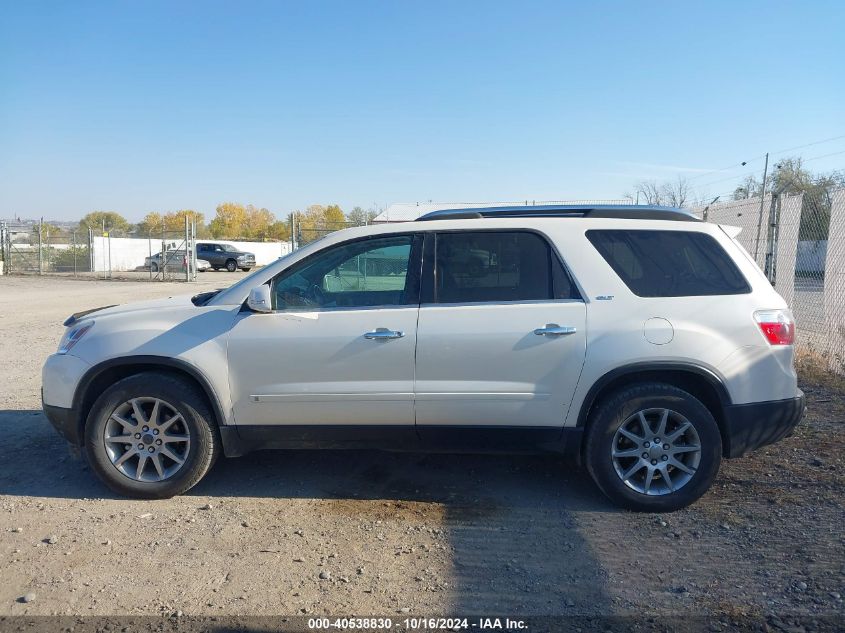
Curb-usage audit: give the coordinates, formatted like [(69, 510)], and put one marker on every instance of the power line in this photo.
[(714, 171), (827, 140), (757, 158), (750, 173), (806, 160), (727, 193)]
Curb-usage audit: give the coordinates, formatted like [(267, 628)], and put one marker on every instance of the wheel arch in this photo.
[(696, 380), (105, 374)]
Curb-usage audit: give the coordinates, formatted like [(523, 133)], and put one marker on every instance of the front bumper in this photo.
[(750, 426), (65, 421)]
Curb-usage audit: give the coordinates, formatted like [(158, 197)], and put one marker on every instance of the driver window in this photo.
[(365, 273)]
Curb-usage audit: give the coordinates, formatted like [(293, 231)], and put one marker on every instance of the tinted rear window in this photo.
[(669, 263), (488, 266)]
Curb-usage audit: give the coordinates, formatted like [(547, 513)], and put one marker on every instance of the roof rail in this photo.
[(619, 211)]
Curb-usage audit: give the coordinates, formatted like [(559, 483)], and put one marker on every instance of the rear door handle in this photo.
[(553, 329), (382, 334)]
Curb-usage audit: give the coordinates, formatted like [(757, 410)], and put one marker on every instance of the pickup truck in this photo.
[(225, 256)]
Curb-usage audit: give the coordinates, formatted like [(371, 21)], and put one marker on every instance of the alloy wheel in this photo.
[(147, 439), (656, 451)]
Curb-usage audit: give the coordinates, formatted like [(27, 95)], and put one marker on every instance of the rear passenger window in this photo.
[(669, 263), (498, 266)]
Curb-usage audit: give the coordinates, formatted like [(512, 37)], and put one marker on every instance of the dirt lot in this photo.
[(368, 533)]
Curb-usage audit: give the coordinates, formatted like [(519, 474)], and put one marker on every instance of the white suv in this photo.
[(640, 341)]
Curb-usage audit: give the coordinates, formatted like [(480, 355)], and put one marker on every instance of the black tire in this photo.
[(190, 402), (231, 265), (215, 268), (618, 407), (154, 267), (246, 270)]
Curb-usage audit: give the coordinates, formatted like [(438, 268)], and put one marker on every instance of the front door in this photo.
[(338, 349), (501, 336)]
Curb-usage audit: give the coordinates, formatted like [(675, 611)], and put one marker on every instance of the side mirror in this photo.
[(259, 299)]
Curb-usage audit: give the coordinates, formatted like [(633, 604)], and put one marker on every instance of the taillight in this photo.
[(777, 326)]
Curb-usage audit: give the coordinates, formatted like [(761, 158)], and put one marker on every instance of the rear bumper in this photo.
[(750, 426)]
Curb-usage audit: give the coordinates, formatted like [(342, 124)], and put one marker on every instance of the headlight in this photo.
[(241, 257), (72, 336)]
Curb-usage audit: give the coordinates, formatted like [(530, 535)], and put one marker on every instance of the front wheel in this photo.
[(231, 265), (246, 270), (653, 447), (151, 436)]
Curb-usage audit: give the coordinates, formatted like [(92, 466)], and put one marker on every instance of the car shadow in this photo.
[(35, 461), (510, 521)]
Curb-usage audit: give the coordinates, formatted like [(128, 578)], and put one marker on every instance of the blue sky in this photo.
[(155, 106)]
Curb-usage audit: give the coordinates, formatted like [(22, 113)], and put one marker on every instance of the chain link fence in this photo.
[(164, 256), (304, 235), (799, 242), (46, 250)]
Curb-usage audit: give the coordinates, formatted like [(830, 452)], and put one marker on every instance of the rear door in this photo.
[(501, 335)]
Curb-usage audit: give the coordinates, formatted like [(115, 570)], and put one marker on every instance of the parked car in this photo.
[(176, 262), (641, 342), (225, 256)]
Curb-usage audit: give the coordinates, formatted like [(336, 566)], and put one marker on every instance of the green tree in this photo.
[(790, 177), (318, 221), (257, 223), (280, 230), (151, 224), (360, 217), (155, 223), (333, 217), (47, 230), (113, 222), (229, 221)]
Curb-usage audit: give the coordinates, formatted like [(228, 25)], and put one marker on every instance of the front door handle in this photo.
[(553, 329), (383, 334)]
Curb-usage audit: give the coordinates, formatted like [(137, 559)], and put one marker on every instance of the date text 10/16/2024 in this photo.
[(418, 623)]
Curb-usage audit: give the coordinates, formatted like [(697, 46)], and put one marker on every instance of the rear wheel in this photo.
[(154, 267), (151, 436), (231, 265), (653, 447)]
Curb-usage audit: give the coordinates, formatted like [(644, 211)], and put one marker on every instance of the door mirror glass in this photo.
[(259, 299)]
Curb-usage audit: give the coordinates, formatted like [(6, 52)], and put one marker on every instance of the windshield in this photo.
[(229, 248)]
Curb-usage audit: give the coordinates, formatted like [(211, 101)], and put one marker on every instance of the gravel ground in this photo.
[(369, 533)]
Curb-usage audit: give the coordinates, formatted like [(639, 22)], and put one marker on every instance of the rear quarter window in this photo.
[(669, 263)]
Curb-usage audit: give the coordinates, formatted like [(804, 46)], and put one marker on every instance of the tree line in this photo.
[(231, 221)]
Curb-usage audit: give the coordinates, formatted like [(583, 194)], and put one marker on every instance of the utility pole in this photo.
[(40, 233), (762, 200), (707, 208), (187, 255)]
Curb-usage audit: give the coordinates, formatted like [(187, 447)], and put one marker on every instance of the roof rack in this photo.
[(618, 211)]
